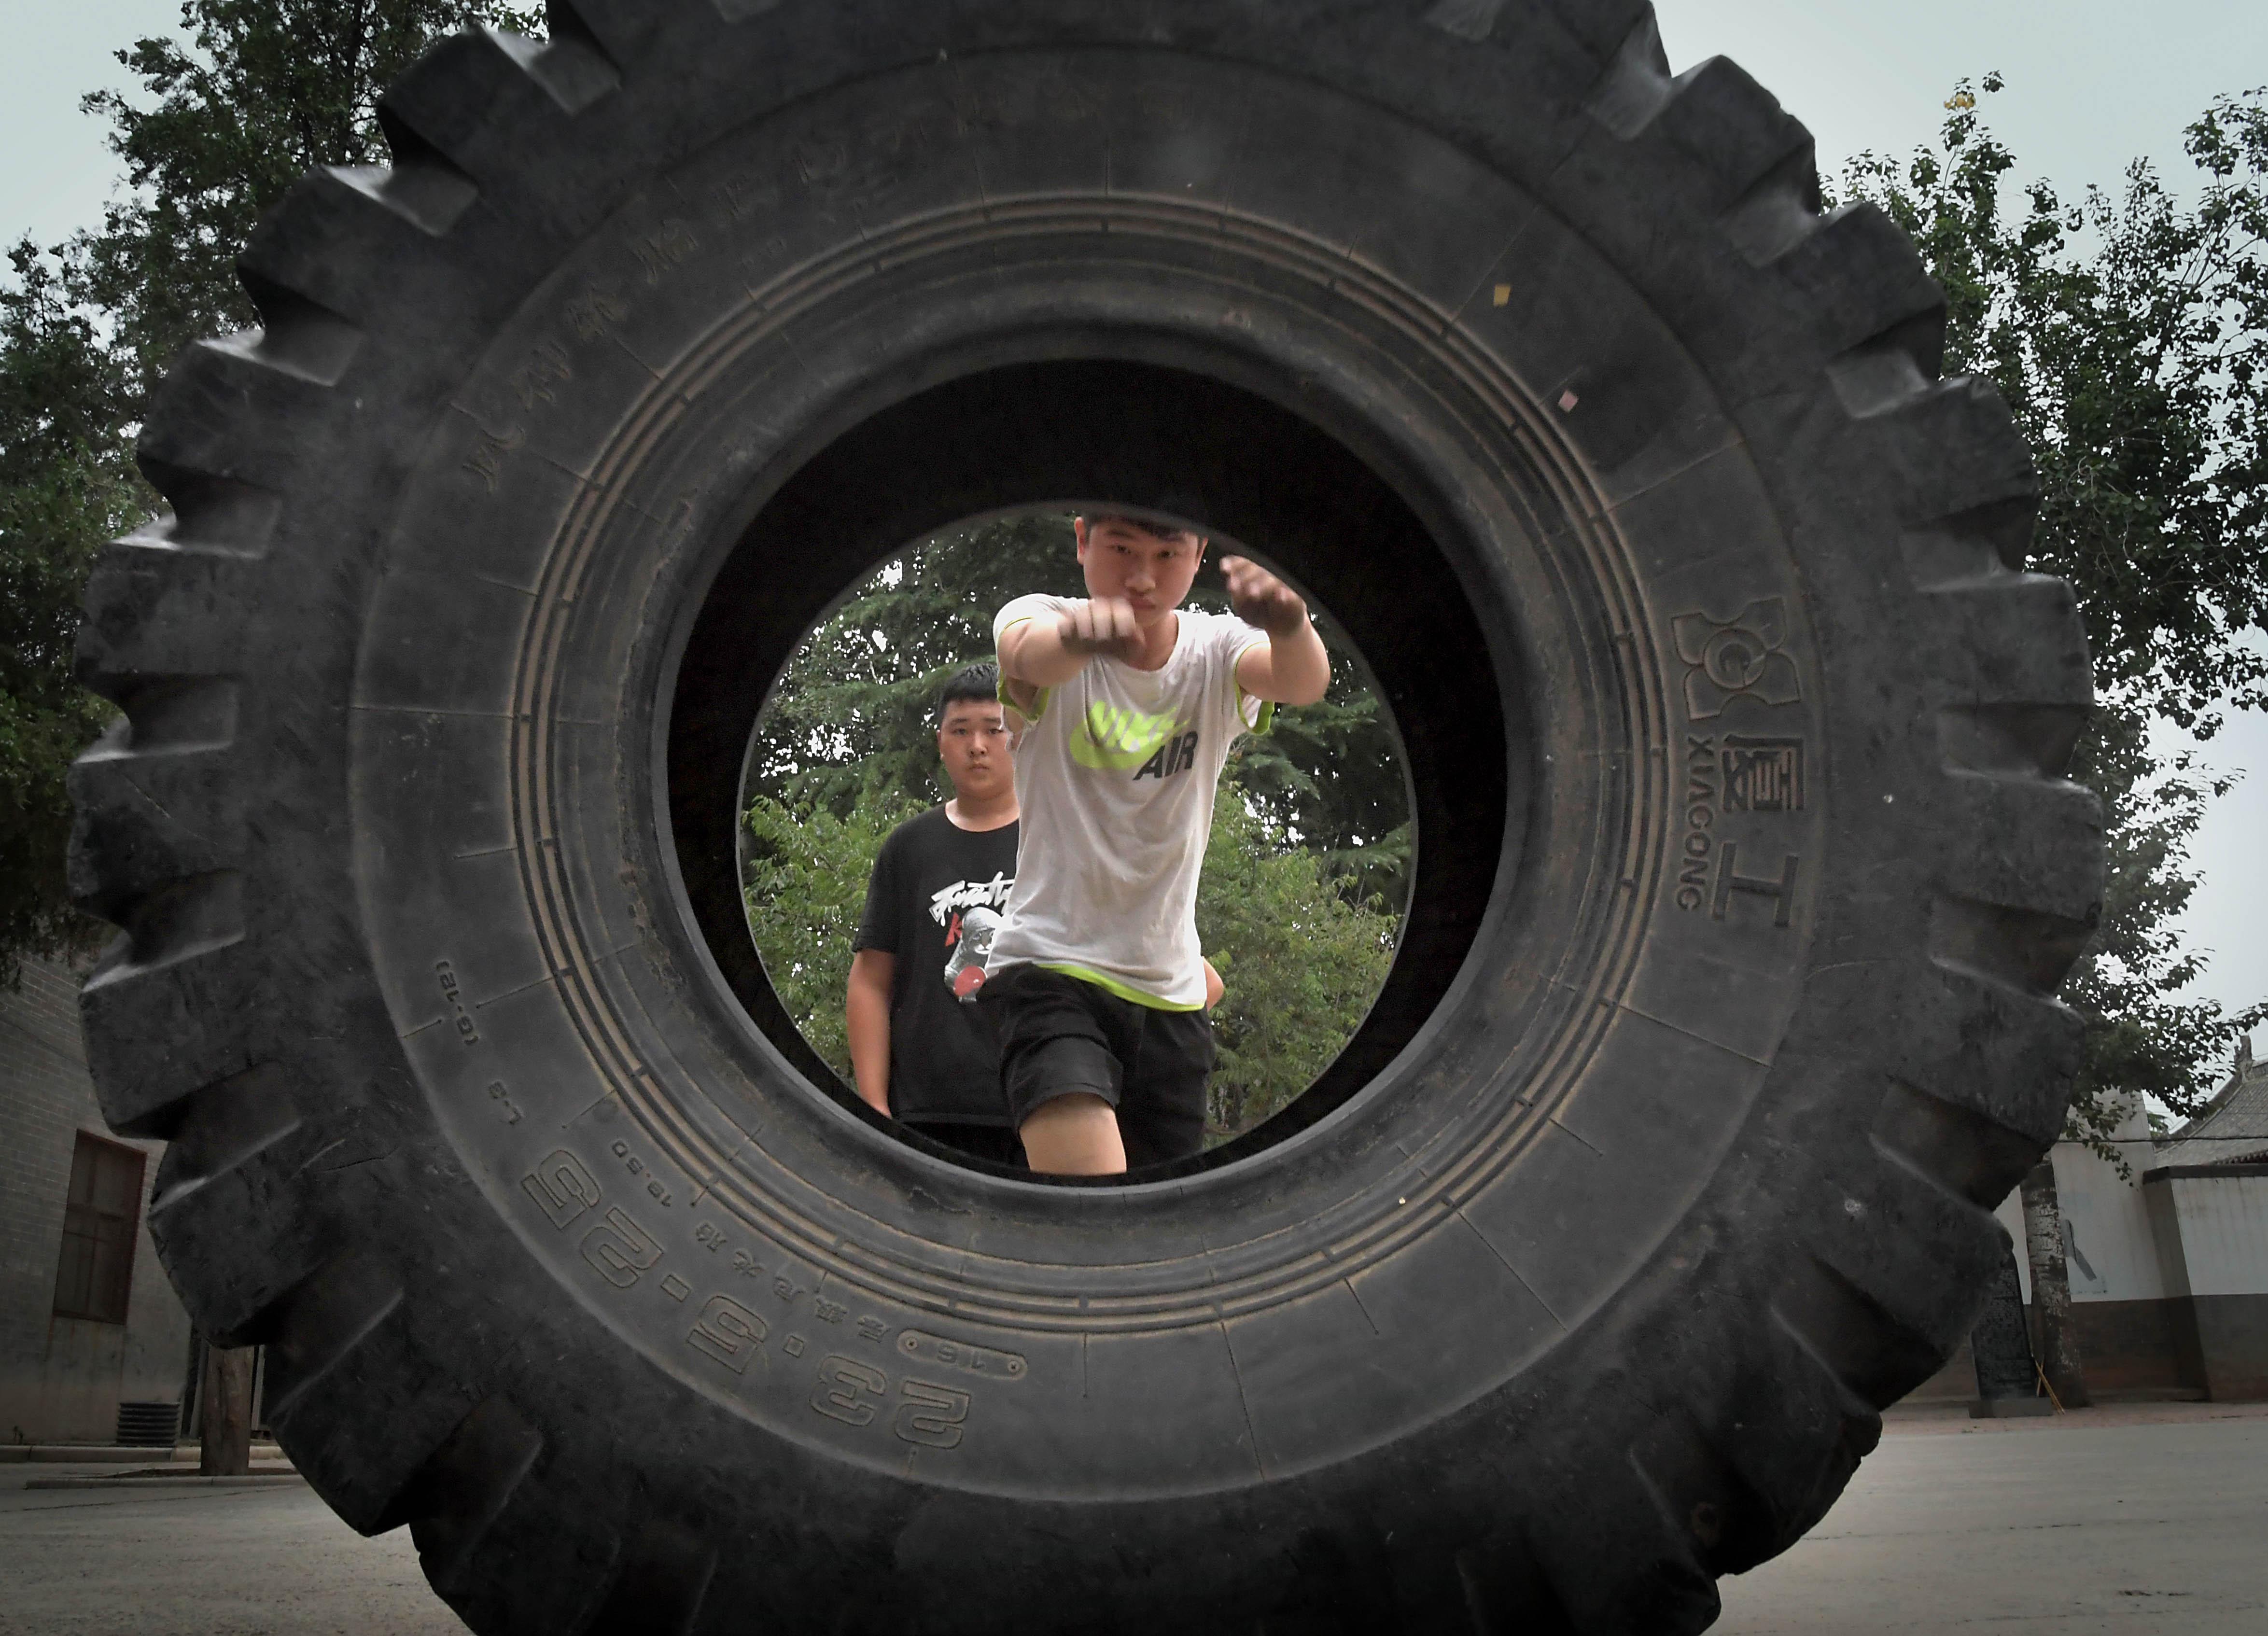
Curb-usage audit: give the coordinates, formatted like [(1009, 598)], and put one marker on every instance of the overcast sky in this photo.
[(2092, 83)]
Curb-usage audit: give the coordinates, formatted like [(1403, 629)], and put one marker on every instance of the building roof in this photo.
[(2233, 1127)]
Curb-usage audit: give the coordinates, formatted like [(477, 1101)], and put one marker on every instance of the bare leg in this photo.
[(1074, 1135)]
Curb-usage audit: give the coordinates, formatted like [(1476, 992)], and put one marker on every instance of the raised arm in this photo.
[(1049, 650), (1292, 666)]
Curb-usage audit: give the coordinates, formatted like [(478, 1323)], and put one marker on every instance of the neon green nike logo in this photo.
[(1116, 740)]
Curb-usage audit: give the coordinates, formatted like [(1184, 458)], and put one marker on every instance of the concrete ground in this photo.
[(200, 1561), (2134, 1520), (2122, 1519)]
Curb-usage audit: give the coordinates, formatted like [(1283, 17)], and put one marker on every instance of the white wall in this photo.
[(61, 1377), (2109, 1250), (2212, 1234), (2011, 1216)]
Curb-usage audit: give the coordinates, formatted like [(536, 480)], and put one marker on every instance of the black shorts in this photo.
[(999, 1143), (1059, 1034)]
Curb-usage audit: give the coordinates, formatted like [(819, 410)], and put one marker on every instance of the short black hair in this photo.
[(1151, 526), (980, 683)]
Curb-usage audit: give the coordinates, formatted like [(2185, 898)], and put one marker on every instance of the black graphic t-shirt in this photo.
[(928, 876)]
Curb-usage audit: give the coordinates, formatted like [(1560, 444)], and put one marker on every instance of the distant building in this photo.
[(2168, 1264), (2207, 1200), (88, 1321), (2233, 1128)]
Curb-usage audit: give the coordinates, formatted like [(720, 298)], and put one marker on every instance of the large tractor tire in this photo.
[(1745, 874)]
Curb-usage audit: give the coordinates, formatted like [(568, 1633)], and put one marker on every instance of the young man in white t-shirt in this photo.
[(1095, 987)]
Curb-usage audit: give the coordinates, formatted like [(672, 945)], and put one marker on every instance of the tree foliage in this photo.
[(2142, 1039), (66, 485), (1300, 958), (247, 97), (230, 113), (806, 887), (853, 715), (2128, 332)]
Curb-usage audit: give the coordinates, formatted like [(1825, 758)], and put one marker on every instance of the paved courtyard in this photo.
[(2124, 1520), (2117, 1520)]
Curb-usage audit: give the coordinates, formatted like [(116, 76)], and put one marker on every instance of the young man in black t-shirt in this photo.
[(917, 1052)]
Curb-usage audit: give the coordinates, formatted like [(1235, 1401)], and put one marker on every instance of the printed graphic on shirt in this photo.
[(973, 906), (1175, 755), (991, 894), (969, 943), (1111, 738)]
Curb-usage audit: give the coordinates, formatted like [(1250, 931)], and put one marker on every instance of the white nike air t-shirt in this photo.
[(1115, 776)]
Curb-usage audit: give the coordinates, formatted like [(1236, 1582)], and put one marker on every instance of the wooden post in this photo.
[(224, 1412), (2051, 1287)]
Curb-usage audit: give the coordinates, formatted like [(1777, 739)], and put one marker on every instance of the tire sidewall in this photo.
[(581, 494)]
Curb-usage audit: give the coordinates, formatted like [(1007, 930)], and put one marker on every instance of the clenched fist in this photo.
[(1259, 598), (1102, 625)]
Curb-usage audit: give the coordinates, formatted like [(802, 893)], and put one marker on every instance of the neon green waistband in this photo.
[(1112, 985)]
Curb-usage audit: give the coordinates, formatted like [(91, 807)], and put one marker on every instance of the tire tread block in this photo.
[(182, 920), (219, 412), (474, 102), (518, 1546), (351, 247), (2031, 843), (1965, 1152), (420, 185), (2028, 949), (148, 820), (1657, 1585), (1877, 1358), (2023, 740), (658, 1588), (1917, 1251), (1974, 1043), (248, 1226), (461, 1488), (2009, 639), (362, 1405), (1790, 1434), (164, 1019), (1701, 1496), (1863, 288), (219, 1127), (159, 614)]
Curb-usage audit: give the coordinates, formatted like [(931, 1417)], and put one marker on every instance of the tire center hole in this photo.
[(1299, 907), (804, 690)]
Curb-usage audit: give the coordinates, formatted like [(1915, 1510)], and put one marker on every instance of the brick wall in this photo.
[(46, 1099)]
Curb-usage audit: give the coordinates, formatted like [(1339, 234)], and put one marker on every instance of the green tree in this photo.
[(854, 714), (806, 887), (1301, 960), (66, 485), (2128, 332), (247, 97), (234, 109), (1329, 776)]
